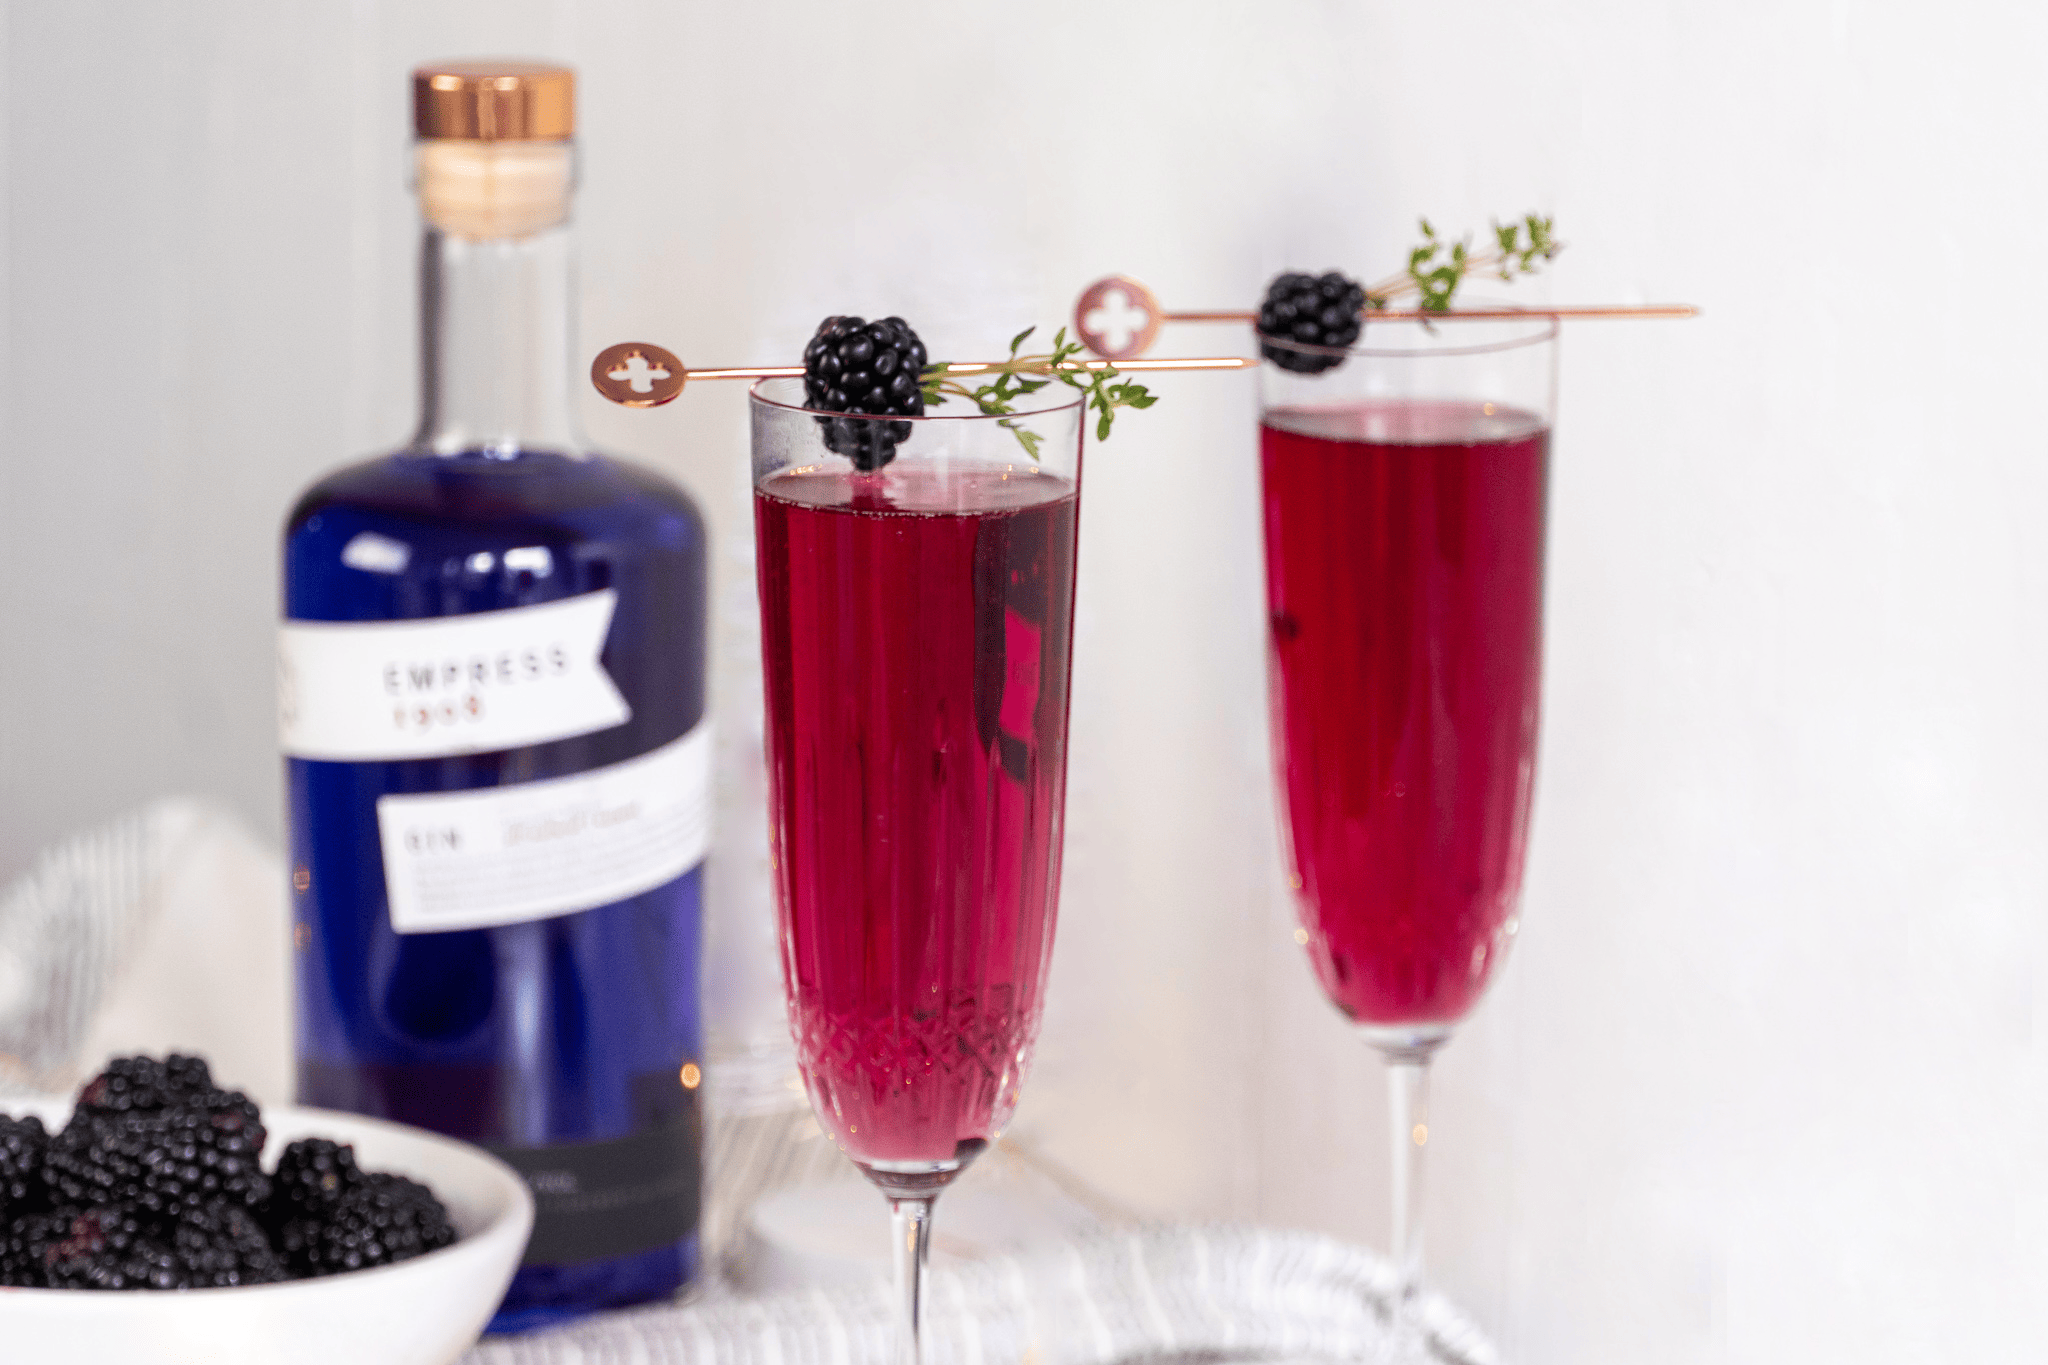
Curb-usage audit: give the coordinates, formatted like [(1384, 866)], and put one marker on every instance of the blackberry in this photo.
[(199, 1151), (872, 368), (104, 1248), (23, 1144), (22, 1247), (123, 1247), (222, 1245), (1312, 310), (383, 1220), (311, 1179), (135, 1083)]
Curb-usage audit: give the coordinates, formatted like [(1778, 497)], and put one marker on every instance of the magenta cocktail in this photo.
[(1404, 494), (916, 624), (917, 612), (1404, 582)]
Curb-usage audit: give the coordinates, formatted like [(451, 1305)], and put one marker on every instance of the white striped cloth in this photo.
[(65, 929), (1159, 1295), (166, 929)]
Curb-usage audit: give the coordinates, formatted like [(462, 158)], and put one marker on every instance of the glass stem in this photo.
[(912, 1222), (1408, 1108)]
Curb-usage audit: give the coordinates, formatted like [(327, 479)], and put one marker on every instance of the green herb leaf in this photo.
[(1022, 375), (1518, 249), (1026, 437)]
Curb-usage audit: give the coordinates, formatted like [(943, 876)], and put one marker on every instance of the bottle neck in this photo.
[(495, 343)]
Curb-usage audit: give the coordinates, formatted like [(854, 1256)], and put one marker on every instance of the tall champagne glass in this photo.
[(916, 626), (1404, 490)]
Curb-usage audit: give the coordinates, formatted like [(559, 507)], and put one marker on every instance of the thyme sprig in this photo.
[(1022, 375), (1437, 267)]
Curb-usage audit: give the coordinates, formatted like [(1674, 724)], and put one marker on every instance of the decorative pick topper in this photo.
[(638, 374), (1117, 318)]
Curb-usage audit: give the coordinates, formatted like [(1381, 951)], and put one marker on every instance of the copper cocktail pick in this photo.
[(639, 374), (1118, 318)]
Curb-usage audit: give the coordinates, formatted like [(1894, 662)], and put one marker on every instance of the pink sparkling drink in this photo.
[(1404, 579), (916, 630)]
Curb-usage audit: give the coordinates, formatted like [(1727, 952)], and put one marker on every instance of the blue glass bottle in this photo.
[(568, 1041)]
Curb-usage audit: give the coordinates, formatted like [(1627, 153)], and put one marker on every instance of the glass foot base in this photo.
[(921, 1179), (1406, 1042)]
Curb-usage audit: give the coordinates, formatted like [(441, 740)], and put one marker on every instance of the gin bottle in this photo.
[(498, 767)]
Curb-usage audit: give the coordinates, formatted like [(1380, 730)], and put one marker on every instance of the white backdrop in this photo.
[(1764, 1081)]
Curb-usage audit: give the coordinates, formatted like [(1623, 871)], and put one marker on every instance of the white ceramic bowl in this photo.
[(425, 1311)]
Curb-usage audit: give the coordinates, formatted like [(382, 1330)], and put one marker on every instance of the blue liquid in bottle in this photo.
[(570, 1043)]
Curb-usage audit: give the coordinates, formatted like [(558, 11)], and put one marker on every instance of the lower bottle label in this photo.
[(507, 855), (597, 1200)]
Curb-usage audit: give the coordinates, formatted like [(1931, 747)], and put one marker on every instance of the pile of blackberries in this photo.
[(157, 1182)]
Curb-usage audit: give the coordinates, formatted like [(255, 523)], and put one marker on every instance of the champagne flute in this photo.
[(917, 626), (1404, 488)]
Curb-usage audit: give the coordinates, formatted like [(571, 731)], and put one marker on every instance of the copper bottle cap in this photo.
[(494, 101)]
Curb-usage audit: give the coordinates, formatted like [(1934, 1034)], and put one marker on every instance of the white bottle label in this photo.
[(506, 855), (381, 690)]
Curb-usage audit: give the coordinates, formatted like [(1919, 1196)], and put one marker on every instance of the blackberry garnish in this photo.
[(104, 1248), (23, 1144), (222, 1245), (384, 1220), (134, 1083), (1312, 310), (164, 1161), (871, 368)]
